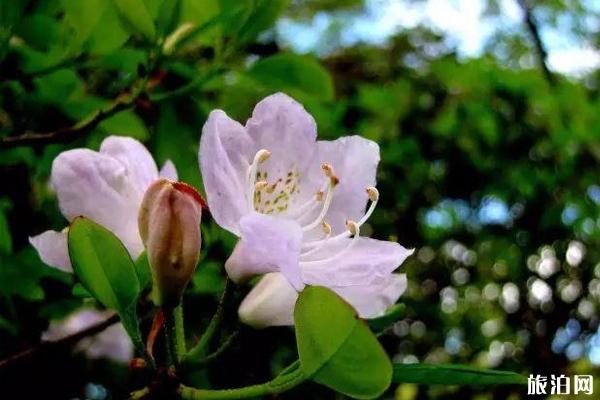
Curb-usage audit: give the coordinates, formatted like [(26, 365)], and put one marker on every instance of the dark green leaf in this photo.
[(5, 235), (293, 74), (336, 348), (449, 374)]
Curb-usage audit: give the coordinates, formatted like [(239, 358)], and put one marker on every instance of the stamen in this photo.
[(327, 230), (260, 185), (326, 204), (260, 157), (373, 194), (309, 205), (333, 181), (328, 170), (352, 226)]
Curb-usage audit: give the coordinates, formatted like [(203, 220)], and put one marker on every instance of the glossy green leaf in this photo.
[(450, 374), (136, 15), (336, 348), (105, 269), (293, 74), (102, 264)]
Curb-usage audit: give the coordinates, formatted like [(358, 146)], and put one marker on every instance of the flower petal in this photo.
[(270, 303), (354, 160), (52, 249), (112, 343), (134, 157), (267, 244), (366, 262), (281, 125), (168, 171), (226, 152), (371, 301), (99, 187)]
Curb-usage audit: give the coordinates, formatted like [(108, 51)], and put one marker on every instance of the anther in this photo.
[(260, 185), (373, 193), (329, 172), (327, 169), (320, 195), (262, 156), (352, 227), (326, 228), (326, 204)]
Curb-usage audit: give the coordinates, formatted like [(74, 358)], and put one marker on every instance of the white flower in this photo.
[(297, 205), (112, 343), (106, 186)]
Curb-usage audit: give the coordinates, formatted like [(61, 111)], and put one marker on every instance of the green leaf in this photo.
[(393, 314), (103, 264), (105, 269), (142, 267), (5, 235), (261, 16), (294, 74), (126, 123), (336, 348), (136, 15), (450, 374), (95, 25), (169, 12)]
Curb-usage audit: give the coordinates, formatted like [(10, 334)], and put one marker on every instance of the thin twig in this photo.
[(66, 341), (532, 27), (73, 132)]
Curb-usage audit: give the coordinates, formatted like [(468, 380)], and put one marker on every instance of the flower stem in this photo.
[(202, 362), (174, 335), (199, 350), (180, 333), (289, 378)]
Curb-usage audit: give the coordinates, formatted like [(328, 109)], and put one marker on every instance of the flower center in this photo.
[(269, 197)]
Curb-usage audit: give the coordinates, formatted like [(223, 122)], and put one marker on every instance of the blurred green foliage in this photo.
[(488, 169)]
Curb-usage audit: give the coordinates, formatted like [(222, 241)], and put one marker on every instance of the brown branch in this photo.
[(73, 132), (66, 341), (532, 27)]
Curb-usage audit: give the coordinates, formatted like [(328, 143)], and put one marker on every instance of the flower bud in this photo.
[(169, 225)]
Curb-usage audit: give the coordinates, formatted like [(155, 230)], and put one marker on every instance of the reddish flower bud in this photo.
[(169, 224)]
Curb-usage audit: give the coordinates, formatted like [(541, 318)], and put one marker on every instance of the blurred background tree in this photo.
[(487, 114)]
